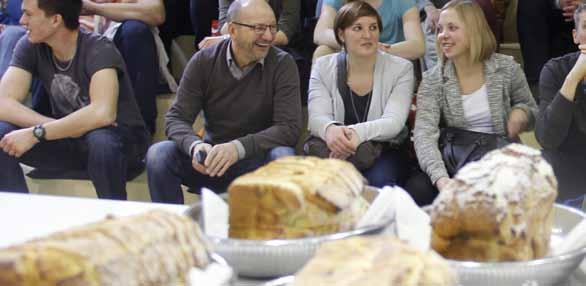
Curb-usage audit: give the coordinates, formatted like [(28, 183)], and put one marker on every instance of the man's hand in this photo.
[(337, 141), (2, 27), (209, 41), (18, 142), (517, 122), (568, 7), (220, 158), (384, 47), (432, 17), (442, 182), (196, 165)]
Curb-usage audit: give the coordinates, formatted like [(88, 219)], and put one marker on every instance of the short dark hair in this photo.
[(68, 9), (350, 12), (581, 8)]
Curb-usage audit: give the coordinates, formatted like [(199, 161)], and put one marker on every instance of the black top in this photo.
[(356, 107), (561, 126)]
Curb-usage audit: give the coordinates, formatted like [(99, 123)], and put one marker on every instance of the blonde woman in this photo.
[(473, 88)]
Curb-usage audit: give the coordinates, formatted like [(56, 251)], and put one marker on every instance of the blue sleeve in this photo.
[(336, 4), (405, 5)]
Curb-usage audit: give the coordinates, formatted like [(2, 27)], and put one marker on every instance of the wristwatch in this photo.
[(39, 133)]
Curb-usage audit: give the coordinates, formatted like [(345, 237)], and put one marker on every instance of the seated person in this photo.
[(286, 11), (131, 24), (95, 124), (401, 32), (561, 124), (359, 99), (249, 94), (471, 88)]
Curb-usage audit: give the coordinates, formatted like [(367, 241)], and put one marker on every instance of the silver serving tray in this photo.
[(546, 271), (278, 257)]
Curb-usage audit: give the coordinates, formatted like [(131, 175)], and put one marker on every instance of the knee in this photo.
[(103, 142), (159, 154), (136, 32), (6, 128), (281, 151), (12, 34)]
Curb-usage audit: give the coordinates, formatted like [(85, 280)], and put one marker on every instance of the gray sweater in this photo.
[(261, 110), (392, 92), (439, 96)]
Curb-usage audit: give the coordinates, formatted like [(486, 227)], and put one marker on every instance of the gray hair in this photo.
[(581, 8)]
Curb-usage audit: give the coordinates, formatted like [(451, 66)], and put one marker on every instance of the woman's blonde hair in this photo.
[(480, 36)]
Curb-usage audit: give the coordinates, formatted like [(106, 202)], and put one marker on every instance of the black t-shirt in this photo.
[(68, 84), (356, 107)]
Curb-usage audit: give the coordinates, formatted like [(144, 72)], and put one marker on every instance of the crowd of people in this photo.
[(93, 68)]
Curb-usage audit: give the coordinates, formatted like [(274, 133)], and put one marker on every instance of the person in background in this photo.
[(94, 124), (10, 31), (561, 124), (472, 88), (358, 113), (131, 25), (401, 36), (248, 91), (545, 32)]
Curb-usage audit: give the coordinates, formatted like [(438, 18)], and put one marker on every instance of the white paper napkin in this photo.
[(214, 275), (215, 214), (410, 222)]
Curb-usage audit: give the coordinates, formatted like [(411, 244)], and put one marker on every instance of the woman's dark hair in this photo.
[(349, 13)]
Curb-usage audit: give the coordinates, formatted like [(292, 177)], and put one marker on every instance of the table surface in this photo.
[(27, 216)]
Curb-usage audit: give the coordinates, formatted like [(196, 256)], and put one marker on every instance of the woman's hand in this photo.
[(442, 182), (339, 142), (517, 122)]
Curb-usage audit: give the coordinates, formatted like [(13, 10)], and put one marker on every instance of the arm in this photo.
[(14, 88), (287, 117), (101, 111), (151, 12), (320, 104), (555, 106), (521, 97), (395, 112), (324, 29), (426, 132), (288, 22), (187, 105), (414, 45)]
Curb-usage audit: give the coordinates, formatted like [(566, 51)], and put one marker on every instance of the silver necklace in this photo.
[(62, 69), (365, 115)]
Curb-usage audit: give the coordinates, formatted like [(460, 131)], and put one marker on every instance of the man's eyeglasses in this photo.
[(260, 29)]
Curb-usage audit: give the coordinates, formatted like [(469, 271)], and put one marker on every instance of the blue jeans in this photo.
[(102, 152), (134, 40), (168, 167), (8, 40), (389, 169)]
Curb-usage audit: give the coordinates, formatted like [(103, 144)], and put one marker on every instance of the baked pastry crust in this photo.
[(497, 209), (296, 197), (374, 260), (154, 248)]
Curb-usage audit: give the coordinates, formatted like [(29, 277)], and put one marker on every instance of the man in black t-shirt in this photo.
[(87, 84)]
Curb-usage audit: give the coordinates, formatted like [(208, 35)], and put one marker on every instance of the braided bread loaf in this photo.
[(154, 248), (296, 197), (497, 209)]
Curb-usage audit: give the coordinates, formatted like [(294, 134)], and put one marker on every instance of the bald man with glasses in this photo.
[(248, 91)]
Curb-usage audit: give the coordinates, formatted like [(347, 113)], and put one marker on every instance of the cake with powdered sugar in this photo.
[(499, 208)]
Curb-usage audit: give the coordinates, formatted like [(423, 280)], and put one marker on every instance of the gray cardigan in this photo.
[(392, 91), (439, 96)]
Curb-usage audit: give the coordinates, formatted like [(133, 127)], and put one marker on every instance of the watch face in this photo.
[(39, 132)]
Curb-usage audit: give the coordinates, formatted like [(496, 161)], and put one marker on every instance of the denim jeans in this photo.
[(389, 169), (134, 40), (102, 152), (168, 167), (8, 40)]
